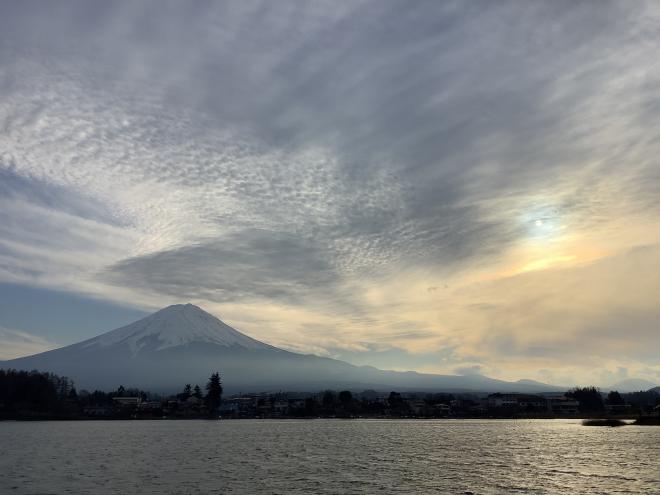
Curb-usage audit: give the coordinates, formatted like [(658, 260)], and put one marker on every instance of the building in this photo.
[(516, 401), (442, 409), (127, 401), (562, 405), (418, 407)]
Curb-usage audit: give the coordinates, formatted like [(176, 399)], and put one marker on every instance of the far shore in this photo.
[(586, 420)]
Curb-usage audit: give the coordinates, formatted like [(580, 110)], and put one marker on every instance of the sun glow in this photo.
[(545, 263)]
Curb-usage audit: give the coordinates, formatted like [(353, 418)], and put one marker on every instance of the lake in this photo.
[(328, 457)]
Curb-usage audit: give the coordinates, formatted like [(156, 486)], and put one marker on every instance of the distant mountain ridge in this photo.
[(183, 344), (632, 385)]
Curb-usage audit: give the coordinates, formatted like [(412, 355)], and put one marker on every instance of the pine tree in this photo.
[(187, 392), (214, 393), (197, 392)]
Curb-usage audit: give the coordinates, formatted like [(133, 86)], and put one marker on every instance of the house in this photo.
[(152, 405), (296, 403), (516, 401), (441, 409), (228, 409), (418, 407), (239, 407), (497, 401), (280, 407), (126, 402), (562, 405)]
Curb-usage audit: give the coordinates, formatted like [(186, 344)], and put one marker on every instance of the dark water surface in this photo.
[(328, 456)]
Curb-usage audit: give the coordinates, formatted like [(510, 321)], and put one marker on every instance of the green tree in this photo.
[(614, 398), (311, 407), (395, 400), (197, 392), (328, 402), (345, 398), (186, 394), (213, 393), (346, 403), (589, 398)]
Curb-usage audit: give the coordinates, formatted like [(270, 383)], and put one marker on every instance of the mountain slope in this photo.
[(183, 344), (171, 327)]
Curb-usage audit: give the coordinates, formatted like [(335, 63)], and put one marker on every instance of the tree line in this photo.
[(592, 400), (43, 395)]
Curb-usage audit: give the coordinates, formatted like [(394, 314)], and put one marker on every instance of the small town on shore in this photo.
[(35, 395)]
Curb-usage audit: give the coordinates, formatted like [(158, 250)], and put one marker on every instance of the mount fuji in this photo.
[(183, 344)]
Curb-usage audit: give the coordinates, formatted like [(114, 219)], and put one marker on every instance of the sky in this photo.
[(452, 187)]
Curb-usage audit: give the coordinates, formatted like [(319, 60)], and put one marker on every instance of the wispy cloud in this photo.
[(17, 343), (313, 169)]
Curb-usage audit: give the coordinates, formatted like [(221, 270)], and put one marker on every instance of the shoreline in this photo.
[(621, 421)]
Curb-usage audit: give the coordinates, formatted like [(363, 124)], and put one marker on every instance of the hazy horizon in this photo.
[(452, 188)]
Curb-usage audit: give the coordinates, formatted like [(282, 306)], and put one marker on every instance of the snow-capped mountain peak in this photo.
[(184, 344), (180, 324)]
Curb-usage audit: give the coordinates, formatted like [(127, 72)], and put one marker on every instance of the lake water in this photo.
[(328, 456)]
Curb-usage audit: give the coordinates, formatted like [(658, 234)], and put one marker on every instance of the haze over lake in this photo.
[(328, 457)]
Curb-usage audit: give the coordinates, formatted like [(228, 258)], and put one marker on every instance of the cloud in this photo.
[(376, 171), (250, 264), (475, 369), (17, 343)]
